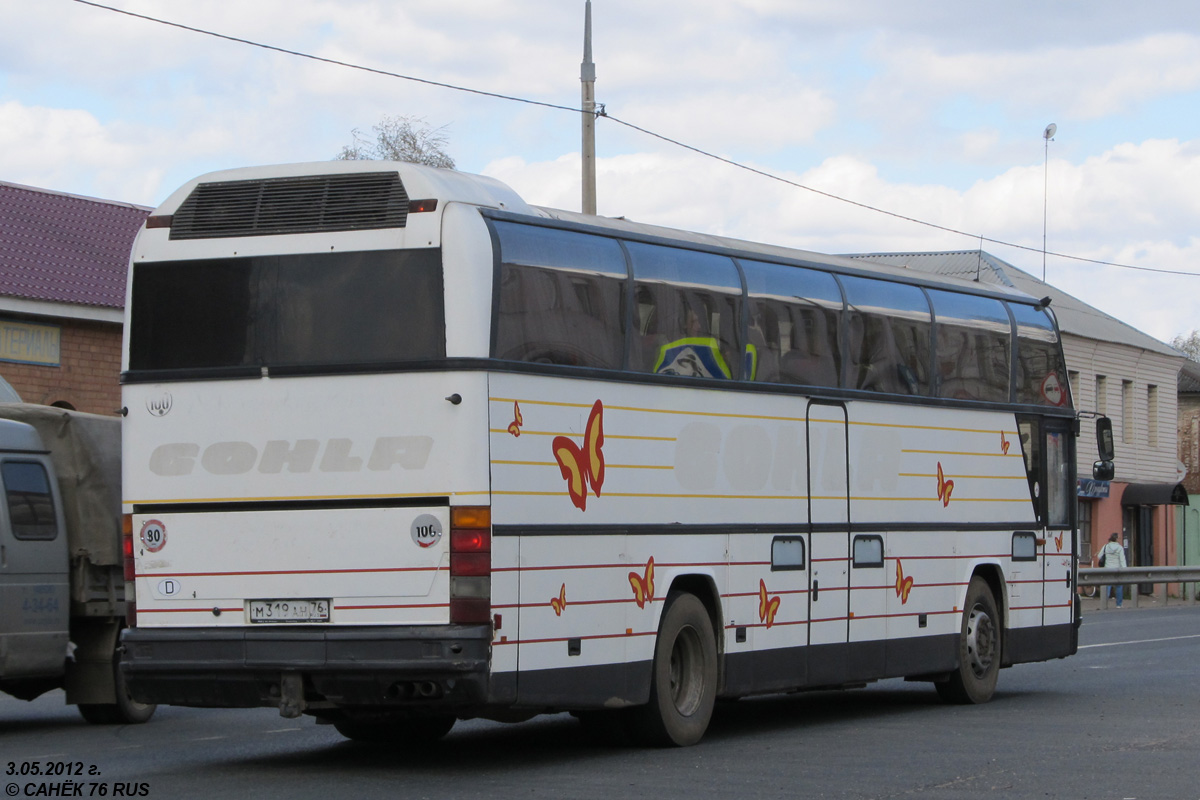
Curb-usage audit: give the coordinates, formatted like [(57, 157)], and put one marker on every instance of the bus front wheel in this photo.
[(683, 684), (978, 649)]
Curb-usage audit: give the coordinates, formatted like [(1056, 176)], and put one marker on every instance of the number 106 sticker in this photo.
[(153, 535)]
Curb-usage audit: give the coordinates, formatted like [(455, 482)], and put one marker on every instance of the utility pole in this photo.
[(587, 76), (1048, 135)]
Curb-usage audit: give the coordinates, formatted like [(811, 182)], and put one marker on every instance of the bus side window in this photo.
[(689, 312), (1041, 373), (549, 316), (889, 330), (561, 297), (795, 311), (974, 343)]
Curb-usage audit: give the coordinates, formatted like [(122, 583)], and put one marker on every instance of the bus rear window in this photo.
[(325, 309)]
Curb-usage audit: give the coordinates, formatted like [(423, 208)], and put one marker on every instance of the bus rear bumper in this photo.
[(401, 668)]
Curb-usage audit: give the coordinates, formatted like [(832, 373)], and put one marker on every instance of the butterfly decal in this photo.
[(767, 606), (514, 427), (560, 602), (945, 487), (643, 585), (583, 467), (1004, 443), (904, 583), (1058, 541)]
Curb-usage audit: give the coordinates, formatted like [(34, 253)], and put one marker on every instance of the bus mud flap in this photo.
[(291, 695)]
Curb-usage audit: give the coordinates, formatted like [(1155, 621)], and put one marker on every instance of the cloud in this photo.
[(49, 148), (1082, 82)]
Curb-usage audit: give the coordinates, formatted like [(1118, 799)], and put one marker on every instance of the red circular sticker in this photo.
[(153, 535)]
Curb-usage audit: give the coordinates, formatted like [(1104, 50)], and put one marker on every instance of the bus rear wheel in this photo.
[(683, 684), (978, 649)]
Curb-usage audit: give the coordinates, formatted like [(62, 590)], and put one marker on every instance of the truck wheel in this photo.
[(978, 649), (126, 711), (397, 731), (683, 683)]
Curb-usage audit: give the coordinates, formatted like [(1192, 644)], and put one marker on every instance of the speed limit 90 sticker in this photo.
[(153, 535)]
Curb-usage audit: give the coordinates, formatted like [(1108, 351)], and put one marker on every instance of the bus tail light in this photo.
[(127, 545), (130, 571), (470, 564)]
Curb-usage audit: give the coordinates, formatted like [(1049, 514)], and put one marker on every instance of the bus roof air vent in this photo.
[(308, 204)]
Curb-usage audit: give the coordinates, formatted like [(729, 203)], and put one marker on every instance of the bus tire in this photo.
[(397, 731), (683, 683), (978, 649)]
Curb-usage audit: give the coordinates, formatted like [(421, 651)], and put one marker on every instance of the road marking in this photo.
[(1141, 641)]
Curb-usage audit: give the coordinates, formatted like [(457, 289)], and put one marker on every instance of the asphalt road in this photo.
[(1119, 720)]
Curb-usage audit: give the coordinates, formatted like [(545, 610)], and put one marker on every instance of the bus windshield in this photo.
[(288, 310)]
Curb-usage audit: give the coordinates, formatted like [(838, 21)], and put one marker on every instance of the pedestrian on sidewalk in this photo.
[(1114, 556)]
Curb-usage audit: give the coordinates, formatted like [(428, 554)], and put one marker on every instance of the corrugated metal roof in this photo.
[(64, 248), (1189, 378), (1074, 316)]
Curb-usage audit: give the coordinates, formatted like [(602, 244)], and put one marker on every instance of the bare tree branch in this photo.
[(400, 138)]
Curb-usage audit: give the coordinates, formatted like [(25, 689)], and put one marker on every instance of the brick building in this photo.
[(63, 266)]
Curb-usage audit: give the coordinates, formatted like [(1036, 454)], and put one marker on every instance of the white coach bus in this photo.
[(402, 449)]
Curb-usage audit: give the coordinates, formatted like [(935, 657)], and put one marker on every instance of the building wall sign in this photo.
[(1093, 488), (27, 343)]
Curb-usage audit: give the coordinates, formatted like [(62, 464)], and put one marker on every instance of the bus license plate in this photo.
[(288, 610)]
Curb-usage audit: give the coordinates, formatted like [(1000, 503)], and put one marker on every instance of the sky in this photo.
[(930, 109)]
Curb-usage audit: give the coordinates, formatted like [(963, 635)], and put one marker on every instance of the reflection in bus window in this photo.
[(974, 347), (687, 313), (1041, 373), (561, 298), (793, 332), (888, 332), (558, 317)]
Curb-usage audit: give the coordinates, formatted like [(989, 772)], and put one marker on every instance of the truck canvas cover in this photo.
[(86, 452)]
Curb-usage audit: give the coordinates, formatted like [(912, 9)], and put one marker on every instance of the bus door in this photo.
[(829, 523), (1058, 547)]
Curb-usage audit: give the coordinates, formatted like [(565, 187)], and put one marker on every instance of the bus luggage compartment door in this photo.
[(829, 519)]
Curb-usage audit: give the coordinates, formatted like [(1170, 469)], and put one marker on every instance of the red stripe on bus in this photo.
[(358, 571)]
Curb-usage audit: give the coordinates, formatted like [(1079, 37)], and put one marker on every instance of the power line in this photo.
[(324, 60), (878, 210), (604, 115)]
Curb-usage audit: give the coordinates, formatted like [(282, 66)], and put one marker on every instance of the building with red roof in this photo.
[(63, 266)]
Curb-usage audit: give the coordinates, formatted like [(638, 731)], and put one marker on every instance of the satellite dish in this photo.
[(1051, 129)]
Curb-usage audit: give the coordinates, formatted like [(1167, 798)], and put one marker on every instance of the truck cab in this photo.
[(34, 575), (62, 583)]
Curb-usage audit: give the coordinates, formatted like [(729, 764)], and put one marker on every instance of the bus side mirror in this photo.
[(1103, 469), (1104, 439)]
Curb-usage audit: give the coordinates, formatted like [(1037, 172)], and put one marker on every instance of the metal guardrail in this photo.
[(1132, 576)]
